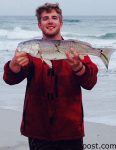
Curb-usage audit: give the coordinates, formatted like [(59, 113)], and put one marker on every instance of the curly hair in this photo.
[(48, 7)]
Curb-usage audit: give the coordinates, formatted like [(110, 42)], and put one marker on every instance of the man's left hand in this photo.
[(75, 62)]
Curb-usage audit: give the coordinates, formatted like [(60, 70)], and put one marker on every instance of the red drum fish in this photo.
[(48, 50)]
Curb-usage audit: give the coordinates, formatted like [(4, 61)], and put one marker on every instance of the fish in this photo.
[(48, 50)]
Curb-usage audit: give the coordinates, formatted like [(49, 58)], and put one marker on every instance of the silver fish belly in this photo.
[(48, 50)]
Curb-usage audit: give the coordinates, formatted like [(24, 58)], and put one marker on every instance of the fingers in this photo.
[(75, 62), (20, 54), (22, 61), (73, 57), (21, 58)]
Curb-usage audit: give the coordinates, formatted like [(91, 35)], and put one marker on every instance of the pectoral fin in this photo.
[(48, 62)]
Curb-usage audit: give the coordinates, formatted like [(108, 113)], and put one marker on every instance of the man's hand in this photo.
[(75, 62), (19, 60)]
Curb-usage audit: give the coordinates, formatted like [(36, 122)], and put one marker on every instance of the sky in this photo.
[(69, 7)]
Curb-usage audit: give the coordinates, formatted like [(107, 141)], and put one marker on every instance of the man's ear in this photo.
[(61, 23), (39, 25)]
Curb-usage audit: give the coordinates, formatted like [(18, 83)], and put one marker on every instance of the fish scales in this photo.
[(48, 50)]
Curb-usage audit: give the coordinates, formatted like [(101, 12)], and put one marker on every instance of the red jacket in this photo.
[(53, 101)]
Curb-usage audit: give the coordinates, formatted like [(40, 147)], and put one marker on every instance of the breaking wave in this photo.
[(104, 36), (18, 34), (108, 36)]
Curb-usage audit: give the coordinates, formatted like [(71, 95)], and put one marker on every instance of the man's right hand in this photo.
[(19, 60)]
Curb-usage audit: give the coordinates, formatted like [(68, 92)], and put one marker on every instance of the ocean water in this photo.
[(99, 31)]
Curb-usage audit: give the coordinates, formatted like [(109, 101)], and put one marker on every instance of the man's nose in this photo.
[(50, 20)]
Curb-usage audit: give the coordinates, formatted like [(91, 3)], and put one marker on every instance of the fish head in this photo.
[(31, 47)]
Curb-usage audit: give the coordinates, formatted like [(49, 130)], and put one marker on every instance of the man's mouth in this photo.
[(50, 27)]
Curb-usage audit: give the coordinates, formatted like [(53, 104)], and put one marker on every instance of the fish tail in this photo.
[(105, 55)]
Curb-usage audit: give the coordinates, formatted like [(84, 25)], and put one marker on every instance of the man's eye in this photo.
[(45, 18), (55, 17)]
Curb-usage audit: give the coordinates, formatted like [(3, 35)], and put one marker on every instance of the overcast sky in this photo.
[(69, 7)]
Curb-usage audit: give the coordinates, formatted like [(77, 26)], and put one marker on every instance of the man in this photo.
[(53, 112)]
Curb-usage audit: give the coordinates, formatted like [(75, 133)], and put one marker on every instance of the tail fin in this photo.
[(106, 55)]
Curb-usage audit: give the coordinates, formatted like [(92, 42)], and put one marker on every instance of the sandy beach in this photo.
[(11, 139)]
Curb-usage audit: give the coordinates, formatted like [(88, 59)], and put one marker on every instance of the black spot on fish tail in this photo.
[(101, 52), (105, 54)]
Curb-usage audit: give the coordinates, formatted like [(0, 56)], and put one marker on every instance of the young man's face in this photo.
[(50, 23)]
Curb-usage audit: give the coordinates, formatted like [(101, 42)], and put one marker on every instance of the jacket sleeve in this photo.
[(14, 78), (89, 79)]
